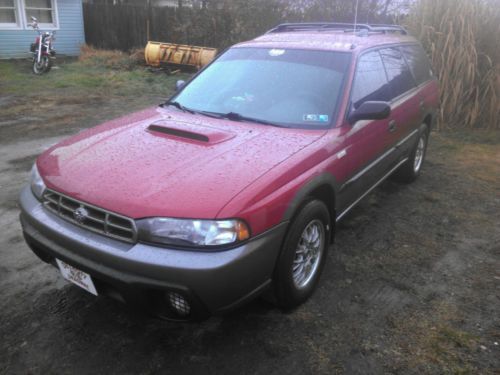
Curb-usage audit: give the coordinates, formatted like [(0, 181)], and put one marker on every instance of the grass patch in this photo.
[(449, 336), (116, 60), (474, 150), (435, 342), (477, 137), (73, 95), (83, 78)]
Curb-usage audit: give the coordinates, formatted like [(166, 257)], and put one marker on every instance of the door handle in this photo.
[(392, 126)]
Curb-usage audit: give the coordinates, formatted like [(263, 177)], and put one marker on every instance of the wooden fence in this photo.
[(125, 27)]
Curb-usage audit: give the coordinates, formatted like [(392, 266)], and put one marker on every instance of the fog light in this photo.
[(179, 304)]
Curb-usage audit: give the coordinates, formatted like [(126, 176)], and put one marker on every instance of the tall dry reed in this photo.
[(462, 38)]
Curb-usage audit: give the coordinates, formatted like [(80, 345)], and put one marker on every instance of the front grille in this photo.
[(90, 217)]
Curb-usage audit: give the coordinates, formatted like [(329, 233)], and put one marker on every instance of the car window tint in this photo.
[(419, 63), (400, 78), (370, 82)]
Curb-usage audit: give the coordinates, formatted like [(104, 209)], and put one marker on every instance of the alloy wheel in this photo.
[(419, 154), (308, 254)]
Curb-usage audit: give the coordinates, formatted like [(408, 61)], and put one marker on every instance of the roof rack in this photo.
[(346, 27)]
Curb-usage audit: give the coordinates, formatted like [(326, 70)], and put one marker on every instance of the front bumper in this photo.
[(212, 282)]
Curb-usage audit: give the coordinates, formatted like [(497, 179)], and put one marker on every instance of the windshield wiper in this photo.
[(179, 106), (230, 116), (239, 117), (193, 111), (210, 114)]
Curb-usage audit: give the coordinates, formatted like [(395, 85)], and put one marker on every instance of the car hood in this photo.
[(162, 162)]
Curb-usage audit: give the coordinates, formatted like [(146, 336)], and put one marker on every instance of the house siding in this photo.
[(69, 37)]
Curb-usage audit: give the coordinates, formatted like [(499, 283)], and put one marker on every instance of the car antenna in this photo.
[(356, 16)]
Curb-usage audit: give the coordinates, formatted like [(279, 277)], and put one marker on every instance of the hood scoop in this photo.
[(178, 133), (198, 133)]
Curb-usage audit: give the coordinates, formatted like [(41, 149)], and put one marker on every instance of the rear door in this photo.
[(427, 90), (405, 101)]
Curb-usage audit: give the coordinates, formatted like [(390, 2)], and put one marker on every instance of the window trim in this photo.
[(18, 25), (415, 86), (431, 76), (43, 26), (377, 49), (353, 81)]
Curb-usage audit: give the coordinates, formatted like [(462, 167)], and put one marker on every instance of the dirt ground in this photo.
[(412, 284)]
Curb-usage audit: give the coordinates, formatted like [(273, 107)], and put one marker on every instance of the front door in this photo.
[(369, 143)]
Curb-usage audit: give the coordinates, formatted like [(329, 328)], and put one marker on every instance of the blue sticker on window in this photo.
[(316, 118)]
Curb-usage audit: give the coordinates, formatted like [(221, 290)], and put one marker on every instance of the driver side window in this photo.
[(370, 81)]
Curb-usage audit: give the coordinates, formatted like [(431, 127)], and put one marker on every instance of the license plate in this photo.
[(74, 275)]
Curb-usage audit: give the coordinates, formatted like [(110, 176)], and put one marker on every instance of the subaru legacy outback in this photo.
[(233, 187)]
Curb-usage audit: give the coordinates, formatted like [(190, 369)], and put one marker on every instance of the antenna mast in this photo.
[(356, 16)]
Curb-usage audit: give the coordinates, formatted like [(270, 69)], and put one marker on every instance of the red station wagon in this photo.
[(234, 186)]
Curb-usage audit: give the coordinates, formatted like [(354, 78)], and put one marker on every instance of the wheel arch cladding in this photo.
[(324, 188), (429, 120)]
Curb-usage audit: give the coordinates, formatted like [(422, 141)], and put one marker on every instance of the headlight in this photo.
[(36, 182), (192, 233)]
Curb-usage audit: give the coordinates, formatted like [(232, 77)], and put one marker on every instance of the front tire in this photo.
[(43, 66), (302, 256)]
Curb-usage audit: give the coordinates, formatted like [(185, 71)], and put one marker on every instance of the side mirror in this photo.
[(370, 111), (34, 19), (179, 85)]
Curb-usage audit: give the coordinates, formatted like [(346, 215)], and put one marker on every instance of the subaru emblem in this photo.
[(80, 214)]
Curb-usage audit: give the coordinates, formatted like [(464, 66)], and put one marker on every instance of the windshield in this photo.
[(295, 88)]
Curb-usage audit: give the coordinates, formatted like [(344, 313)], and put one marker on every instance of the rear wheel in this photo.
[(303, 255), (410, 170)]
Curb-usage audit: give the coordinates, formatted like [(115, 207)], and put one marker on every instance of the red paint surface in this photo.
[(126, 168), (245, 170)]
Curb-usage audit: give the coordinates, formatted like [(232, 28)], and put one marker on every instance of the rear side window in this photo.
[(370, 82), (419, 63), (400, 77)]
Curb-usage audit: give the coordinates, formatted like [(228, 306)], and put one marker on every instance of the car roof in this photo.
[(330, 40)]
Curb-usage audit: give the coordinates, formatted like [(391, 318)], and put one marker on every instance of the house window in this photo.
[(42, 10), (8, 14)]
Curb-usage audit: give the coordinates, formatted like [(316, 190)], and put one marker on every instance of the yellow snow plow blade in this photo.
[(178, 55)]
